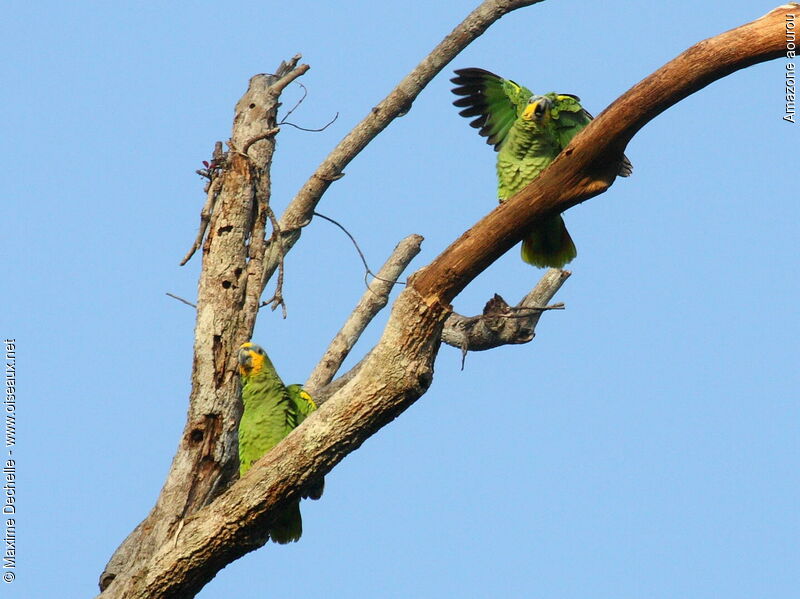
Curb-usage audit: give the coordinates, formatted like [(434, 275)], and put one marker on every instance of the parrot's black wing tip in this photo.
[(471, 85), (472, 76)]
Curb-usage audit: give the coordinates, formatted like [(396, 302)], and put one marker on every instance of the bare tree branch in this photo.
[(180, 299), (267, 134), (399, 369), (374, 299), (310, 129), (367, 269), (296, 105), (300, 210), (323, 394), (503, 325), (277, 237), (212, 191), (254, 131)]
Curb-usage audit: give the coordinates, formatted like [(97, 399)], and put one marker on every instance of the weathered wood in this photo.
[(227, 303), (511, 326)]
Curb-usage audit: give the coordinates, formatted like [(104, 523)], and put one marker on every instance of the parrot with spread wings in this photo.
[(527, 131)]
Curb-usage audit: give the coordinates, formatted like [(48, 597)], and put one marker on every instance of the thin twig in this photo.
[(205, 218), (284, 120), (333, 120), (296, 106), (277, 297), (180, 299), (528, 311), (360, 253), (212, 189)]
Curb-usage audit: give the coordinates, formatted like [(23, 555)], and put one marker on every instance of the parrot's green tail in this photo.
[(549, 244), (288, 526)]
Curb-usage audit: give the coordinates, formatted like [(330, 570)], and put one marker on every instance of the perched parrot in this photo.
[(271, 411), (527, 131)]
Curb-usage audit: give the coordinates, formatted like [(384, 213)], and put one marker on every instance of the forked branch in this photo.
[(372, 301)]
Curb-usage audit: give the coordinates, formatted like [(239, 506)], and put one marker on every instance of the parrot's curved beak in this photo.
[(245, 359), (537, 109), (251, 358)]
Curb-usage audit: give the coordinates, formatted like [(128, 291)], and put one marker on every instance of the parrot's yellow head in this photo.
[(251, 358), (538, 109)]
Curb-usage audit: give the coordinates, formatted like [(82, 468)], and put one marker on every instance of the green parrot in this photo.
[(527, 131), (271, 411)]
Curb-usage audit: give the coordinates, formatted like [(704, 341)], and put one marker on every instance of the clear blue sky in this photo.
[(644, 445)]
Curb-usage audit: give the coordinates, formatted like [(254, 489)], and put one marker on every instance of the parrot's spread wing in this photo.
[(494, 100), (570, 117)]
